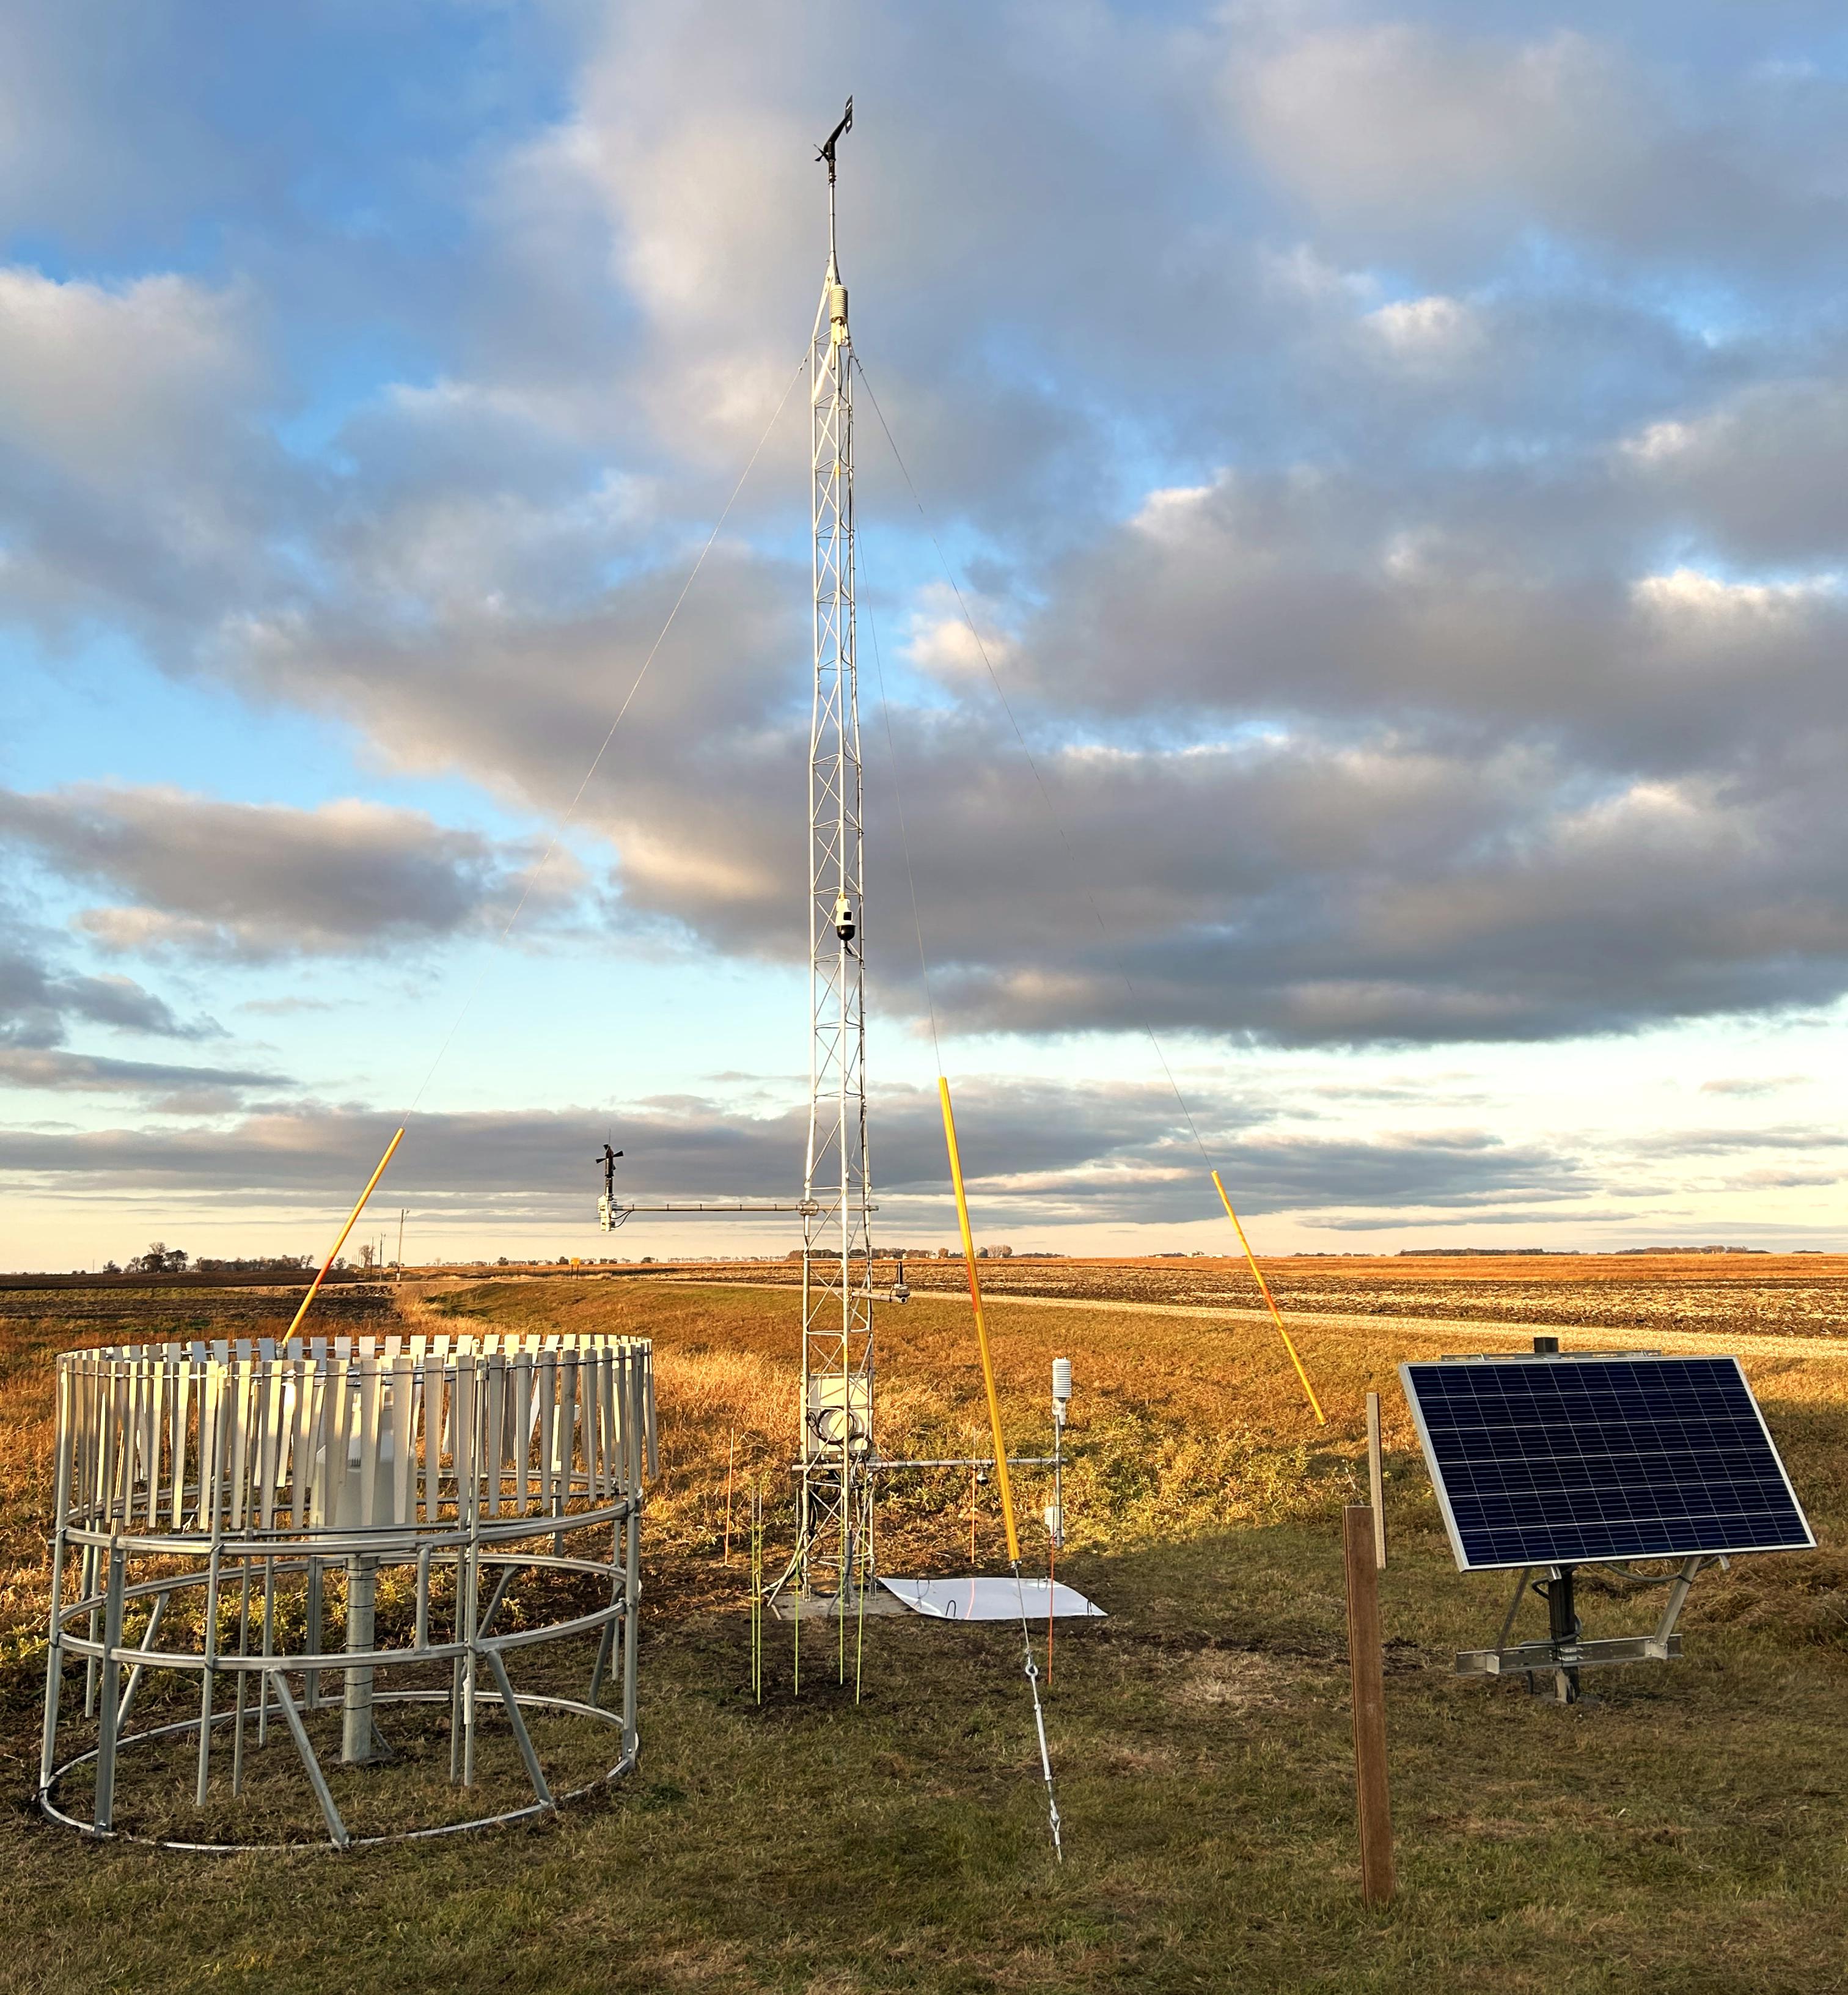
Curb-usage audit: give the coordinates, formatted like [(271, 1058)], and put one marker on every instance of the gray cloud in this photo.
[(42, 1002), (93, 1073), (255, 881), (1037, 1151), (1437, 144), (38, 1002)]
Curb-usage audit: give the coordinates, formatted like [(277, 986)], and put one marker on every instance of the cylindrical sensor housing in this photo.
[(1062, 1381)]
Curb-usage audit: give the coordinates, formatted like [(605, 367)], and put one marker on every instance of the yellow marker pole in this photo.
[(352, 1219), (1264, 1288), (981, 1328)]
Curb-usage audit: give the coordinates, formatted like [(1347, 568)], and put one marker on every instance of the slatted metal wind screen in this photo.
[(1556, 1461)]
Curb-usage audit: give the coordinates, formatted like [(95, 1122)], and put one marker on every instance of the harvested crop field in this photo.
[(1757, 1294), (1688, 1830)]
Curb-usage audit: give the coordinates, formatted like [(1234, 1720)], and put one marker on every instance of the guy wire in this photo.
[(559, 828), (1031, 1669)]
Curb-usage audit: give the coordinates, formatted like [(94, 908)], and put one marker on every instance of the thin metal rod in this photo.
[(963, 1462), (731, 1462), (1276, 1314)]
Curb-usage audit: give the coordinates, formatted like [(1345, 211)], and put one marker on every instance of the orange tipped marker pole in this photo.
[(352, 1219), (1264, 1289)]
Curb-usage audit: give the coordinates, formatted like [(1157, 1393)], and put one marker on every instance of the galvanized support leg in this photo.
[(522, 1738), (317, 1779), (606, 1642), (54, 1651), (362, 1594), (237, 1723), (1562, 1628), (470, 1603), (263, 1680), (310, 1681), (54, 1673), (205, 1675), (456, 1722), (88, 1584), (110, 1691), (631, 1619), (134, 1675), (498, 1595), (1508, 1618), (421, 1633), (1677, 1599)]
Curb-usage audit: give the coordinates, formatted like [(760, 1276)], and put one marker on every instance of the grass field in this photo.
[(1689, 1830)]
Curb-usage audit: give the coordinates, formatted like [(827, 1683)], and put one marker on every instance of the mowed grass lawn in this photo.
[(1689, 1830)]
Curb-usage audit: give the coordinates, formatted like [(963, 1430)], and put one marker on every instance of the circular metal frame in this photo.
[(527, 1700), (233, 1483)]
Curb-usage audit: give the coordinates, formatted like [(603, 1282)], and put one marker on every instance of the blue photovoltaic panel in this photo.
[(1556, 1460)]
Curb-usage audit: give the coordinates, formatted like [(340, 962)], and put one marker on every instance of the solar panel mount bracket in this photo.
[(1562, 1659)]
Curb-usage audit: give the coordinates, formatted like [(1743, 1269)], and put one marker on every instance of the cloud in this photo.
[(1753, 1084), (1045, 1153), (202, 1088), (1385, 642), (38, 1003), (1430, 144), (259, 880)]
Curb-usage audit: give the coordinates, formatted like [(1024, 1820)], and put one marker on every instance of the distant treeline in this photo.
[(161, 1259)]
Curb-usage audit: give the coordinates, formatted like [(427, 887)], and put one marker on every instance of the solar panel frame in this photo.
[(1554, 1552)]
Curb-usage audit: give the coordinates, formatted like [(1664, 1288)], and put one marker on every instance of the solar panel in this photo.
[(1553, 1462)]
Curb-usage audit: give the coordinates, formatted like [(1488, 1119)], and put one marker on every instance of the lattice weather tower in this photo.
[(836, 1443)]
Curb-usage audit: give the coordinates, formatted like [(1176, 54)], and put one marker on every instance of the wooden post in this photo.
[(1377, 1482), (1366, 1664)]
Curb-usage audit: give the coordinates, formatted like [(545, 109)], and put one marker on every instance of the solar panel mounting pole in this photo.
[(836, 1409)]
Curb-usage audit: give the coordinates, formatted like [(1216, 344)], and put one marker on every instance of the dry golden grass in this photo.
[(1688, 1832)]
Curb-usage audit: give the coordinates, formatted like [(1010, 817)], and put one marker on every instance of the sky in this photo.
[(1351, 503)]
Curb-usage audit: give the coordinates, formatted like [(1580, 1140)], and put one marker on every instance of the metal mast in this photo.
[(836, 1516)]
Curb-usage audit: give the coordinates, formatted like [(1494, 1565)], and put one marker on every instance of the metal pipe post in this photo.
[(356, 1716), (1562, 1627)]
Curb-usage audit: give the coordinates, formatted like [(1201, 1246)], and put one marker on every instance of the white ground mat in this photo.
[(973, 1599)]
